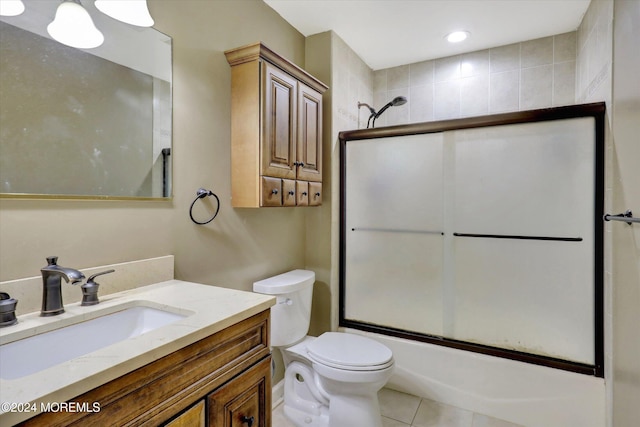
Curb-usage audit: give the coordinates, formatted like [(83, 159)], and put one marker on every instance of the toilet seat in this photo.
[(349, 352)]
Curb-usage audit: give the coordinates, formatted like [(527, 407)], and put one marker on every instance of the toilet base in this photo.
[(308, 402), (303, 419), (353, 411)]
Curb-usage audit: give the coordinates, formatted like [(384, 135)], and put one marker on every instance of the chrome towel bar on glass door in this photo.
[(626, 217), (396, 230)]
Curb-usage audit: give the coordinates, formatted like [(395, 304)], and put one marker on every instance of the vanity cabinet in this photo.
[(221, 380), (276, 130), (239, 403), (192, 417)]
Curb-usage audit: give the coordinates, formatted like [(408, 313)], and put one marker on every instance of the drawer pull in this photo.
[(247, 420), (304, 193), (317, 194), (274, 191)]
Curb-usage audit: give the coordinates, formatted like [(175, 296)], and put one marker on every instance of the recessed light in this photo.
[(457, 36)]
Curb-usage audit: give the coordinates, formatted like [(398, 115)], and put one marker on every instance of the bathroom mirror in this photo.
[(76, 123)]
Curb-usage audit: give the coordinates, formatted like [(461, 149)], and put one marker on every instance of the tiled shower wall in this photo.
[(352, 83), (594, 44), (522, 76)]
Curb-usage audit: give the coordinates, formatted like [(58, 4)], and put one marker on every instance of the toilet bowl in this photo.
[(332, 380)]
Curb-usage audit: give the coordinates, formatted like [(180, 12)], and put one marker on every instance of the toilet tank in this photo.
[(291, 314)]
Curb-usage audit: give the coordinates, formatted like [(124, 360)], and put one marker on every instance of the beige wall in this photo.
[(237, 248), (608, 66), (625, 269), (318, 247), (241, 245), (350, 81)]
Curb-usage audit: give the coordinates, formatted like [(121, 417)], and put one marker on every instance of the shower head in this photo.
[(398, 100)]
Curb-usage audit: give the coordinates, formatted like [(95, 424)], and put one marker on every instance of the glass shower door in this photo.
[(394, 229), (485, 238)]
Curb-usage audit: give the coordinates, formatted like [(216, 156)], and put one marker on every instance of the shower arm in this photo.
[(371, 110)]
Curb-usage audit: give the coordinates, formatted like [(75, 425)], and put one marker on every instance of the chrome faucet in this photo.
[(52, 276)]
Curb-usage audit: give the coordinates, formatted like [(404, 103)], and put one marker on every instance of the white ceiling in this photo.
[(387, 33)]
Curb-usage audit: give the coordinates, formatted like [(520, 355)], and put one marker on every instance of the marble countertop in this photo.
[(208, 309)]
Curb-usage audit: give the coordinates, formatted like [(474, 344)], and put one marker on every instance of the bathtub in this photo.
[(526, 394)]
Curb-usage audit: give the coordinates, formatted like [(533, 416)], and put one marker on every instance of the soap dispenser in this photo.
[(7, 310), (90, 289)]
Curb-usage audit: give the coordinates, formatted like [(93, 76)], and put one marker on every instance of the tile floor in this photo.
[(404, 410)]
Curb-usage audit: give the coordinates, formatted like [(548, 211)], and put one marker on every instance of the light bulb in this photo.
[(457, 36), (11, 7), (74, 27), (134, 12)]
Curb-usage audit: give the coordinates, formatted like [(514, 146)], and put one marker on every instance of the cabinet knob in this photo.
[(304, 193), (318, 194), (301, 164), (247, 420), (274, 191), (291, 192)]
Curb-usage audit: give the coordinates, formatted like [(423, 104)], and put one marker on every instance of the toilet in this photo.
[(332, 380)]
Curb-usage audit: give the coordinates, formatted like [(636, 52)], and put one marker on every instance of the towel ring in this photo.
[(201, 194)]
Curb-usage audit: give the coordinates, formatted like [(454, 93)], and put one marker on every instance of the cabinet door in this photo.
[(279, 130), (244, 401), (309, 150), (192, 417)]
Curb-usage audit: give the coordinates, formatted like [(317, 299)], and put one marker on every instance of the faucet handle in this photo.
[(90, 279), (52, 260), (90, 289)]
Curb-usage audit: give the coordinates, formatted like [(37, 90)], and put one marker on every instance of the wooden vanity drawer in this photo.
[(153, 394)]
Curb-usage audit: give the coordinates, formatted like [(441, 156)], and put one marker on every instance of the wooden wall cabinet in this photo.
[(276, 130), (221, 380)]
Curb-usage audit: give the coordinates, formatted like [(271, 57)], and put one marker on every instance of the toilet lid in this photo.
[(349, 351)]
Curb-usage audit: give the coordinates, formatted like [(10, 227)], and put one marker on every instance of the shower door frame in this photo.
[(595, 110)]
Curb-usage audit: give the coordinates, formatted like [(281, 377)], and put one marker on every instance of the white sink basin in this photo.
[(42, 351)]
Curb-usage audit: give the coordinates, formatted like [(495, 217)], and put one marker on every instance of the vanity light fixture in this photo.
[(11, 7), (457, 36), (74, 27), (134, 12)]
